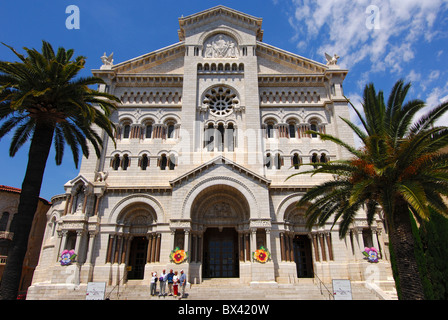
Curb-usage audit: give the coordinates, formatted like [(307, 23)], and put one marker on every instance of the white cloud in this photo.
[(344, 27)]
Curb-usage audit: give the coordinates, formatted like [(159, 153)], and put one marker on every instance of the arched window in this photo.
[(278, 161), (323, 158), (53, 226), (313, 127), (220, 137), (209, 139), (125, 163), (292, 129), (144, 162), (268, 161), (148, 131), (115, 162), (230, 137), (314, 158), (126, 131), (172, 162), (4, 221), (163, 162), (171, 130), (270, 130), (296, 161)]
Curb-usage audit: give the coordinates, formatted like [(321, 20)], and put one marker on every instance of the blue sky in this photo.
[(378, 41)]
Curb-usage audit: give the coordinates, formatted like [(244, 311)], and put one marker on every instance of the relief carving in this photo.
[(221, 46)]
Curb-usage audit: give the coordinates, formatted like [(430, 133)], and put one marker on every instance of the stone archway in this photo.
[(220, 218), (298, 242), (136, 241)]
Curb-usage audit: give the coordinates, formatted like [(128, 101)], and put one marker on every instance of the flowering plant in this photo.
[(67, 257), (371, 254), (261, 255), (178, 255)]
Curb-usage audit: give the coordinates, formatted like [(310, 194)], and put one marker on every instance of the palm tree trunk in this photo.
[(402, 240), (29, 198)]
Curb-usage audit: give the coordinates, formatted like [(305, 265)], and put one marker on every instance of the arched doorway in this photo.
[(300, 242), (220, 216), (138, 243)]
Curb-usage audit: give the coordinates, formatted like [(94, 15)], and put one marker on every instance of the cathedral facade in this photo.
[(207, 133)]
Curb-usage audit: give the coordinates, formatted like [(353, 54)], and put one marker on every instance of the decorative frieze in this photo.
[(147, 97)]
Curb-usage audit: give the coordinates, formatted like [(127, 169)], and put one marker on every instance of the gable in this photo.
[(220, 160), (272, 60), (168, 60)]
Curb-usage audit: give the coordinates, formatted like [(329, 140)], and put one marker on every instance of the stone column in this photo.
[(187, 240), (358, 246), (253, 239), (329, 246), (62, 236), (282, 247), (118, 240), (92, 236), (125, 249), (316, 247), (158, 241), (247, 246), (173, 235), (79, 234), (322, 246), (268, 239), (149, 248), (153, 247), (109, 249)]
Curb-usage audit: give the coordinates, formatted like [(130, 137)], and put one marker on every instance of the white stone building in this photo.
[(207, 133)]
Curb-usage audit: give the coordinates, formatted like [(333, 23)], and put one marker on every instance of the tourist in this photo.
[(162, 281), (153, 286), (175, 284), (169, 279), (183, 282)]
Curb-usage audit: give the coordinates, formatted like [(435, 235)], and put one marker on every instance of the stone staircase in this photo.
[(232, 289)]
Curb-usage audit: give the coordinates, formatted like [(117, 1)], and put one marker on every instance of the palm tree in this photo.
[(399, 169), (42, 101)]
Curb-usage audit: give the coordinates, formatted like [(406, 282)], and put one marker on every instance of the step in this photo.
[(232, 289)]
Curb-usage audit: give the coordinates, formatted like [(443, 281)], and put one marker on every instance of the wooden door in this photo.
[(137, 258), (220, 253), (303, 257)]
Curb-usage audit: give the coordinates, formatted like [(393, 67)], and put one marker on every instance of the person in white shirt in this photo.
[(153, 286), (162, 281)]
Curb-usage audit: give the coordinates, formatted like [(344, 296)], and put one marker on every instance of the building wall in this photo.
[(105, 208), (9, 203)]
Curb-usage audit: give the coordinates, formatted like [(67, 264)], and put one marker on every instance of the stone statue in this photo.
[(331, 61), (101, 176), (107, 60)]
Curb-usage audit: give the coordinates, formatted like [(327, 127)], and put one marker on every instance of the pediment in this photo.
[(272, 60), (220, 160), (165, 61)]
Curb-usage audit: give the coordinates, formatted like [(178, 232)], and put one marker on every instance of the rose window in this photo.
[(221, 101)]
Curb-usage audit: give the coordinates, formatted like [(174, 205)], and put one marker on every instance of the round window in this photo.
[(221, 101)]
